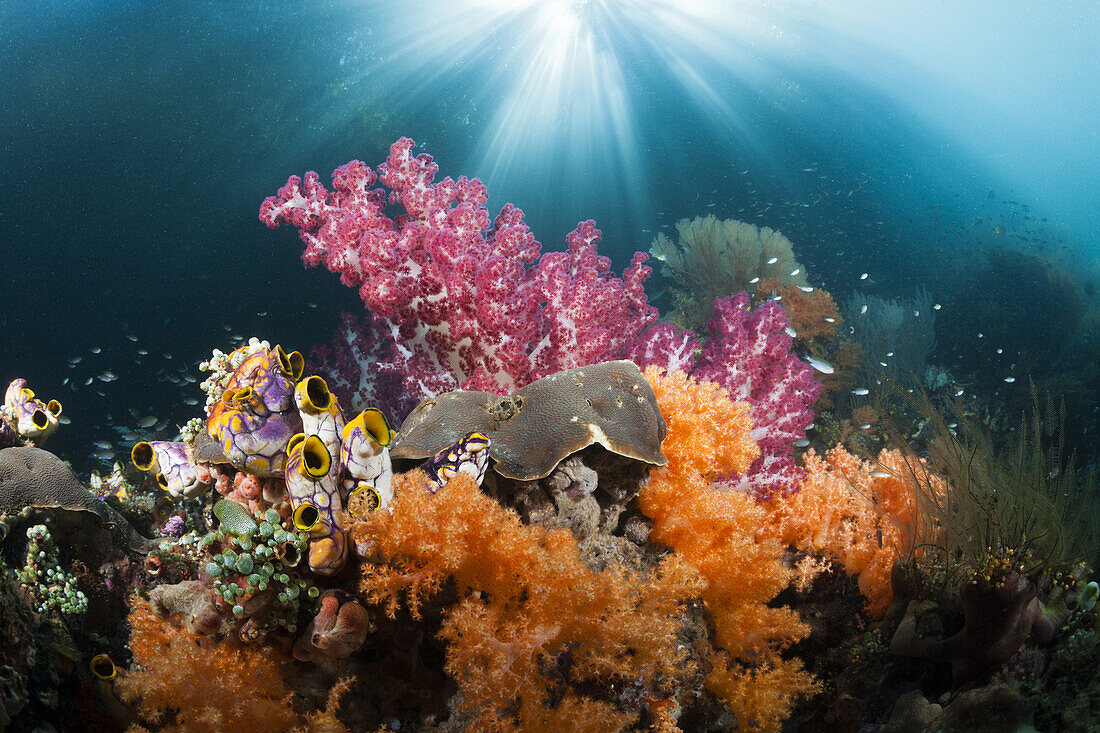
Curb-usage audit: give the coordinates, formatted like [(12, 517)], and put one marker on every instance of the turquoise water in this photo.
[(904, 142)]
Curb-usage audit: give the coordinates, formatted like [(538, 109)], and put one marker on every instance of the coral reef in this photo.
[(180, 683), (583, 546), (48, 587)]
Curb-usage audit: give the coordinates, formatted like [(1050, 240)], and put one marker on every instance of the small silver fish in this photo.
[(936, 307), (820, 365), (865, 426), (802, 442), (863, 276), (132, 337), (863, 310), (830, 320), (1010, 380), (805, 288), (88, 381), (96, 349), (795, 271), (773, 260), (861, 391), (754, 281), (791, 332), (147, 422)]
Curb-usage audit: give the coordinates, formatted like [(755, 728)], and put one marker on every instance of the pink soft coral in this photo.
[(748, 352), (465, 304)]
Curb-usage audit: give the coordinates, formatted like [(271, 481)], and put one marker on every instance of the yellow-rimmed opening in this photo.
[(316, 460), (102, 667), (372, 420), (293, 364), (313, 394), (306, 517), (40, 420), (142, 455), (366, 498), (294, 441)]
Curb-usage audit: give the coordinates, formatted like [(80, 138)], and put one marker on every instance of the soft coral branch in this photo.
[(531, 615), (466, 304), (715, 532)]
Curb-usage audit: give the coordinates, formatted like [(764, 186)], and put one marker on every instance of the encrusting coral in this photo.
[(714, 531)]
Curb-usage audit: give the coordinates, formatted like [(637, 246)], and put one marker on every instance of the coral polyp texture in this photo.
[(715, 532), (534, 429)]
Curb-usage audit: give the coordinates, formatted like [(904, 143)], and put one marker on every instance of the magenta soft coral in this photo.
[(466, 303), (748, 353)]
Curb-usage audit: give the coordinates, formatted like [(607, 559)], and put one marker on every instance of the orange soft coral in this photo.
[(537, 637), (807, 312), (201, 685), (864, 516), (715, 532)]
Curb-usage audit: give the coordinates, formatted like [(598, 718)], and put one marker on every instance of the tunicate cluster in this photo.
[(260, 558), (50, 586), (222, 366)]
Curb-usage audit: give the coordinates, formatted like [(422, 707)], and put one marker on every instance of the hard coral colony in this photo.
[(554, 539)]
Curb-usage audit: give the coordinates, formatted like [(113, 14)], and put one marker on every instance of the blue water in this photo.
[(139, 139)]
